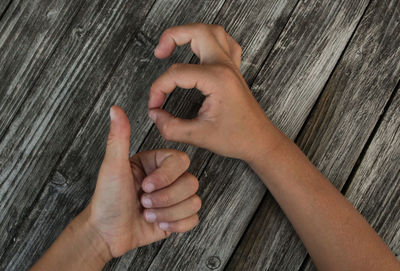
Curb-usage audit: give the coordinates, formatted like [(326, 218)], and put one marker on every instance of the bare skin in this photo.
[(230, 123), (128, 191)]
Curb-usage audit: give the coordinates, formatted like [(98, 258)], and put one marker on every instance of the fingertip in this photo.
[(146, 201), (148, 187), (165, 47), (112, 112), (120, 124), (163, 225), (158, 53), (152, 115), (156, 98)]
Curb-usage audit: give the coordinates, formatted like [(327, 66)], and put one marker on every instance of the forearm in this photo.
[(334, 233), (79, 247)]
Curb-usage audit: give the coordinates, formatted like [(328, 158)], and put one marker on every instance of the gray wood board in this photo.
[(339, 125), (56, 106), (73, 188), (29, 33), (89, 132), (231, 15), (310, 44), (375, 188), (121, 81), (4, 4)]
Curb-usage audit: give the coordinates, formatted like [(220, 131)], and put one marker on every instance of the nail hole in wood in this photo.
[(213, 262)]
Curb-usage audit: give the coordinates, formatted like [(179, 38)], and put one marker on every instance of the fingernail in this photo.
[(112, 113), (153, 116), (146, 201), (150, 216), (163, 225), (148, 187)]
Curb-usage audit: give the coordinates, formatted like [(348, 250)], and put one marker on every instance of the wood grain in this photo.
[(225, 215), (128, 88), (375, 188), (56, 107), (339, 125), (50, 155), (29, 33), (3, 7), (119, 91)]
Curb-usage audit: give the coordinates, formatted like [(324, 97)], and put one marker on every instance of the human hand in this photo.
[(157, 178), (230, 121)]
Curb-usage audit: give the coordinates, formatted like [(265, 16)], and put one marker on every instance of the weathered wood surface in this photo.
[(124, 79), (55, 142), (232, 14), (56, 106), (4, 4), (29, 33), (375, 188), (231, 199), (127, 87), (338, 128)]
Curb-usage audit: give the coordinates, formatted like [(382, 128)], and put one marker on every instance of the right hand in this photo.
[(230, 121)]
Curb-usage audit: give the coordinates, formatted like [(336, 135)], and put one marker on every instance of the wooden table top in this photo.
[(327, 73)]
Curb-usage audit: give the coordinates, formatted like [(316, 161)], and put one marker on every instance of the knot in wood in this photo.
[(58, 179), (79, 31), (213, 262)]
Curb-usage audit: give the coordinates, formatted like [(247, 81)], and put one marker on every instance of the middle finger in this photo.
[(183, 188)]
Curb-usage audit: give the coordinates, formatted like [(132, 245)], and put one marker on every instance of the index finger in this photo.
[(170, 165), (181, 75), (204, 43)]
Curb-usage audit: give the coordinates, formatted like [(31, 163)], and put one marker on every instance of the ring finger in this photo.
[(176, 212), (184, 187)]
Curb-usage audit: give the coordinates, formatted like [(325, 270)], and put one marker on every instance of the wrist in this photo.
[(270, 141), (91, 244)]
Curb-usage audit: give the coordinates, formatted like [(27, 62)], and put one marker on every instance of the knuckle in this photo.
[(219, 28), (184, 158), (225, 71), (179, 227), (167, 32), (163, 180), (238, 47), (196, 220), (174, 68), (203, 27), (163, 199), (196, 203), (167, 130), (193, 182)]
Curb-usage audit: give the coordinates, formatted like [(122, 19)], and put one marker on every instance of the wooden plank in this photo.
[(375, 188), (337, 130), (287, 88), (3, 7), (58, 104), (268, 23), (29, 33), (73, 179), (119, 91)]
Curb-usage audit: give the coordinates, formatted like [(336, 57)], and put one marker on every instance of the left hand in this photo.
[(154, 179)]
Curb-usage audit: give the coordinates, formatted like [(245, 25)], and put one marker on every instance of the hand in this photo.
[(157, 178), (230, 121)]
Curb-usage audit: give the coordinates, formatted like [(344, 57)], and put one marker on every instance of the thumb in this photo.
[(119, 136), (175, 129)]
